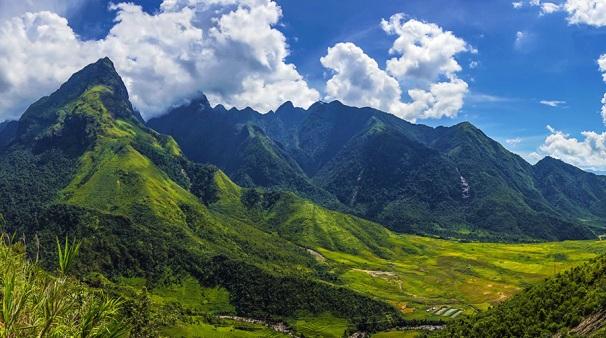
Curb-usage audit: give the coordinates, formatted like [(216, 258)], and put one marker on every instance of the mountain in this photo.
[(570, 189), (82, 164), (447, 181), (569, 304), (240, 148), (8, 131)]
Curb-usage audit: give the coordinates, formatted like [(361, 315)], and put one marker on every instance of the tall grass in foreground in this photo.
[(35, 303)]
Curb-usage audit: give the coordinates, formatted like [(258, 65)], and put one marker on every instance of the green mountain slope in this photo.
[(385, 176), (452, 182), (82, 164), (241, 149), (572, 190)]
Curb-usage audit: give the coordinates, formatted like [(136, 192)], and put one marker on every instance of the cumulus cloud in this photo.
[(37, 52), (532, 157), (426, 52), (229, 49), (423, 64), (517, 4), (588, 12), (359, 81), (588, 152), (552, 103), (602, 65)]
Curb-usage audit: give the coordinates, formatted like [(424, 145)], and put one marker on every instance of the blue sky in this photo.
[(514, 59), (557, 62)]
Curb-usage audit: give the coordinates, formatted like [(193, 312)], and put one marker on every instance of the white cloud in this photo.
[(589, 12), (477, 97), (532, 157), (37, 52), (517, 4), (426, 51), (230, 49), (359, 81), (550, 7), (513, 141), (473, 64), (587, 153), (552, 103), (426, 67), (602, 65)]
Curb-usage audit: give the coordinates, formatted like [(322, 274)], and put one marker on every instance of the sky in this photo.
[(529, 73)]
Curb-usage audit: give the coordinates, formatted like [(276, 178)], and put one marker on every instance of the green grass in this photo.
[(191, 295), (323, 325), (398, 334), (225, 329), (431, 272)]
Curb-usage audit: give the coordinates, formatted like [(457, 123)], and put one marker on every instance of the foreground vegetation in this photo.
[(35, 303)]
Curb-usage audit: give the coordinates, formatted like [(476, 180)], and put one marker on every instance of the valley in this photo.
[(426, 276)]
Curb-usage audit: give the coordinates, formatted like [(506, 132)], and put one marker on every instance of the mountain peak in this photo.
[(286, 106), (200, 103), (101, 72), (100, 80), (465, 125), (105, 60), (552, 163)]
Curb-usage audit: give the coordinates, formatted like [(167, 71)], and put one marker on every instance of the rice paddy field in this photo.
[(440, 279)]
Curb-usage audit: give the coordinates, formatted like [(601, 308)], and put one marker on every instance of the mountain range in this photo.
[(453, 182), (301, 231)]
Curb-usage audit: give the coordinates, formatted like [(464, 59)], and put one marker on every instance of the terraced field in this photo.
[(439, 279)]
